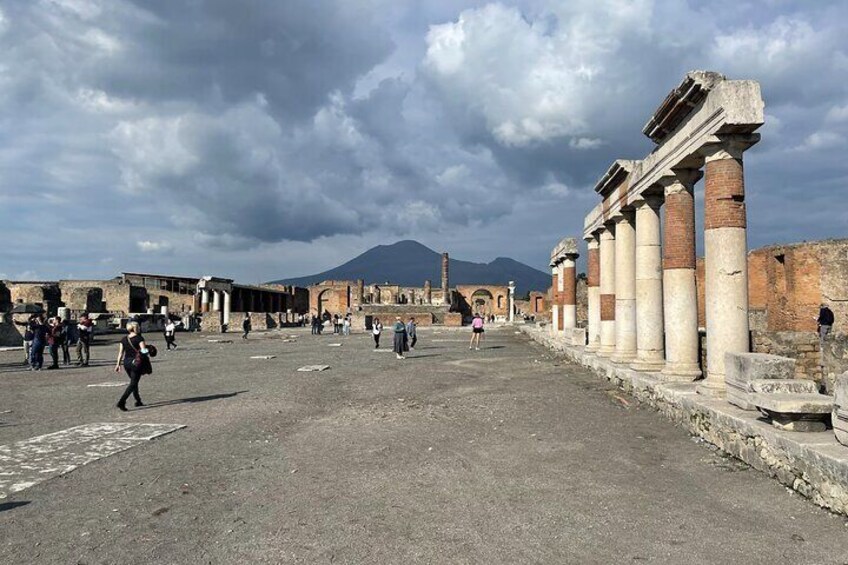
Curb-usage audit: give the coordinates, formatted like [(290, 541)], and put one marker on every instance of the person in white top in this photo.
[(170, 331), (377, 329)]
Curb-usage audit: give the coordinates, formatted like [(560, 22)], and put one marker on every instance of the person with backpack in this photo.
[(54, 341), (85, 328), (825, 321), (39, 330), (134, 356)]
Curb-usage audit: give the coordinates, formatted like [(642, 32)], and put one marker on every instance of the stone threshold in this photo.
[(813, 464)]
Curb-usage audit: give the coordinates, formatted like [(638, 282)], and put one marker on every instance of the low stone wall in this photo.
[(813, 464), (801, 346)]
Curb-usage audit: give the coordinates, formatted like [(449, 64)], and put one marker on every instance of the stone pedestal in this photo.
[(625, 288)]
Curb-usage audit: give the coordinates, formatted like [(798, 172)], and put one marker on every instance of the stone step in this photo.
[(795, 412)]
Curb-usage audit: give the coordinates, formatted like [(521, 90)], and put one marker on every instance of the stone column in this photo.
[(569, 295), (680, 294), (216, 300), (204, 300), (560, 328), (428, 292), (593, 292), (650, 350), (554, 299), (227, 306), (446, 277), (511, 302), (726, 259), (625, 288), (607, 288)]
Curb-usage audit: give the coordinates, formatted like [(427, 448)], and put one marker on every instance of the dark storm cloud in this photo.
[(228, 130)]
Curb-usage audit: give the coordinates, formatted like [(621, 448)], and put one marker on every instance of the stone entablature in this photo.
[(722, 107)]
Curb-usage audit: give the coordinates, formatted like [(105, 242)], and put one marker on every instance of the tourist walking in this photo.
[(53, 337), (246, 325), (39, 341), (84, 329), (64, 338), (476, 332), (346, 325), (399, 345), (170, 337), (825, 321), (315, 323), (134, 355), (376, 330), (411, 333)]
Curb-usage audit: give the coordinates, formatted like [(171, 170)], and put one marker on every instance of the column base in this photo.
[(606, 350), (711, 386), (681, 371), (623, 357), (592, 347), (648, 365)]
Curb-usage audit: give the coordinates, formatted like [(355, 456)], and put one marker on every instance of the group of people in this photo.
[(56, 335), (405, 335), (341, 324)]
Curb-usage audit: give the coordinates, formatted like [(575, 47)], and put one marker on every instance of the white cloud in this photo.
[(154, 246)]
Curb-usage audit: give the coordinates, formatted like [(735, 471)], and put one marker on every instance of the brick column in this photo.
[(607, 287), (726, 259), (569, 295), (554, 300), (650, 350), (594, 294), (625, 288), (679, 287)]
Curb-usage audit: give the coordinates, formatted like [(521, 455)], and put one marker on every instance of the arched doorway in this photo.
[(323, 299), (482, 302)]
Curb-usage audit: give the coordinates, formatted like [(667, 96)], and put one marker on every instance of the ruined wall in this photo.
[(331, 296), (497, 304), (45, 294)]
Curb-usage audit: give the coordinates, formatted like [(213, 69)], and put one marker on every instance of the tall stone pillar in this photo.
[(428, 292), (625, 288), (650, 351), (726, 259), (594, 294), (560, 327), (680, 293), (555, 309), (569, 295), (511, 302), (360, 292), (446, 277), (216, 300), (228, 304), (607, 294), (204, 300)]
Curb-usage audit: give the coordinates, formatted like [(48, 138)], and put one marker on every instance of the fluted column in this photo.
[(650, 350), (593, 292), (679, 287), (726, 259), (607, 294), (625, 288)]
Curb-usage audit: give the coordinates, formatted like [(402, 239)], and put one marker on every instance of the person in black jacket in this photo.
[(246, 325), (132, 346), (825, 321)]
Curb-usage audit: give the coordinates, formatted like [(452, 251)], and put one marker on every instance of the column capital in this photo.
[(624, 216), (608, 232), (593, 242), (680, 180), (654, 201), (728, 147)]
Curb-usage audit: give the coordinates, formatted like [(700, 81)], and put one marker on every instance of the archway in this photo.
[(482, 302), (323, 299)]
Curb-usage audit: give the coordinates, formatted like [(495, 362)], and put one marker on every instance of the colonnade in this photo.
[(643, 307), (564, 300), (218, 297)]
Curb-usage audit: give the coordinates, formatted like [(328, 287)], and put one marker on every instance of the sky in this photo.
[(263, 139)]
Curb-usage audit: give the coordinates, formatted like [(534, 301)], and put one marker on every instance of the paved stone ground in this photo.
[(507, 455)]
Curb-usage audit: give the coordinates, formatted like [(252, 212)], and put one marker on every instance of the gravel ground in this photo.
[(506, 455)]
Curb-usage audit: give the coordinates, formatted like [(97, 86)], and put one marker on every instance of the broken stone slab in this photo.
[(334, 345), (839, 415), (783, 386), (263, 356), (742, 368), (219, 340), (795, 412), (313, 368)]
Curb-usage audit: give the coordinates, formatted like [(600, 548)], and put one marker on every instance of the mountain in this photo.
[(409, 263)]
